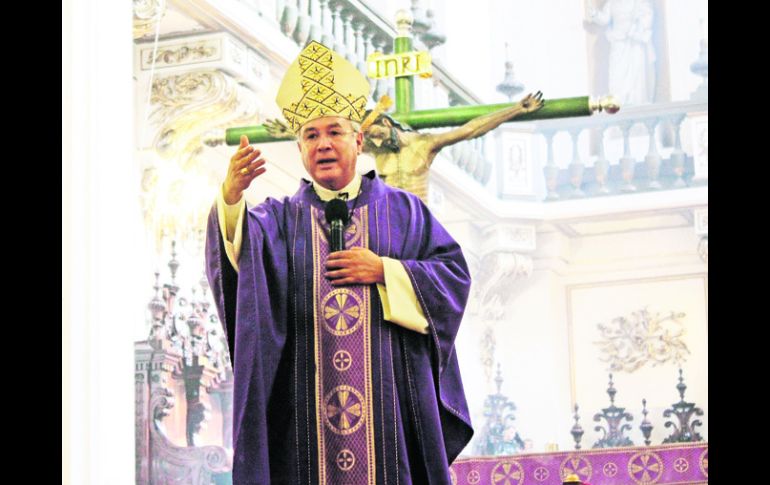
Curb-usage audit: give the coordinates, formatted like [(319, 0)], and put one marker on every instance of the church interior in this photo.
[(584, 344)]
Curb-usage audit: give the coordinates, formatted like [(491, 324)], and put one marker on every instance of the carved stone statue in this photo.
[(628, 28)]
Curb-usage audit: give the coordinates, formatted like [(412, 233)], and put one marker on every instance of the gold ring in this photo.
[(245, 171)]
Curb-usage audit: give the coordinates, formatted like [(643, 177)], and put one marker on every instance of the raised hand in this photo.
[(244, 167)]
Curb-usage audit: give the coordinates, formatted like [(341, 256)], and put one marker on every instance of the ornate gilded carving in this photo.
[(181, 464), (186, 108), (147, 14), (183, 54), (629, 343)]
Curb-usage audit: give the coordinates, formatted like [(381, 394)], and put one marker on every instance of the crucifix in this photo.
[(402, 154)]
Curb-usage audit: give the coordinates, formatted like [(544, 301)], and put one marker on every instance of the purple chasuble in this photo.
[(327, 391)]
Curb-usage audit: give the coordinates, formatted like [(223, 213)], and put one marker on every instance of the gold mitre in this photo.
[(320, 82)]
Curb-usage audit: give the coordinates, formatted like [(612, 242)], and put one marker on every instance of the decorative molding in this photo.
[(569, 297), (630, 343), (147, 14), (216, 52), (509, 238), (187, 106), (182, 54), (181, 464), (493, 283)]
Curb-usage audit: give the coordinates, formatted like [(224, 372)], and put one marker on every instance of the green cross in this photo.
[(434, 118)]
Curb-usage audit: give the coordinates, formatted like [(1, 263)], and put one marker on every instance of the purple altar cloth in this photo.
[(676, 464)]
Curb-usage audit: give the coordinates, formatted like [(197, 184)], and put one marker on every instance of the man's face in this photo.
[(329, 148), (381, 137)]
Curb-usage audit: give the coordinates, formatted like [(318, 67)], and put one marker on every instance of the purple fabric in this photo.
[(685, 463), (343, 338), (419, 413)]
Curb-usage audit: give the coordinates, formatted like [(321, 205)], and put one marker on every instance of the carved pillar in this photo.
[(289, 17), (677, 155), (576, 167), (337, 29), (652, 159), (326, 23), (350, 42), (368, 33), (316, 30), (601, 165), (279, 6), (302, 29), (360, 56), (699, 134), (627, 161), (551, 170), (382, 85)]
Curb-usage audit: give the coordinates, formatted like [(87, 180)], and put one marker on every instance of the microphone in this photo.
[(336, 212)]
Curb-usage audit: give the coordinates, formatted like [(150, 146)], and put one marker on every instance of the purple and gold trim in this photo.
[(676, 464), (343, 394)]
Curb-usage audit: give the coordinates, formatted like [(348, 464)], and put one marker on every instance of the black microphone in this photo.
[(336, 212)]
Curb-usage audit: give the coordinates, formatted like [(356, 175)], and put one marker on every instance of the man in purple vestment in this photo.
[(344, 362)]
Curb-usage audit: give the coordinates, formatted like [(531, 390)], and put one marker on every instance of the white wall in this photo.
[(687, 24), (545, 344), (101, 247)]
